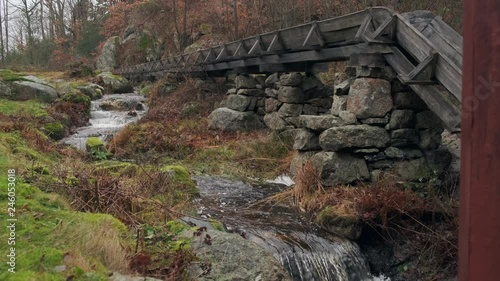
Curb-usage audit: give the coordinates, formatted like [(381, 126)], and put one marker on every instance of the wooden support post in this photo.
[(479, 241)]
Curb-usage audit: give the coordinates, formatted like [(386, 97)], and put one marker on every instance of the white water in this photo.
[(103, 123)]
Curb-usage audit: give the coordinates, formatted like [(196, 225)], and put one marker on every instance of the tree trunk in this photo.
[(235, 7)]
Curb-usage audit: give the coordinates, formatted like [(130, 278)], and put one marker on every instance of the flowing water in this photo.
[(103, 123), (305, 251)]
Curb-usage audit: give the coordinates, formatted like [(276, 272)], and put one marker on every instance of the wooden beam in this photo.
[(363, 29), (388, 28), (293, 67), (370, 60), (441, 102), (317, 33), (276, 44), (479, 235), (258, 44), (423, 73), (210, 56), (241, 50)]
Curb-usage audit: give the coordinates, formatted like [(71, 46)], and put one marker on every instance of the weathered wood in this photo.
[(424, 72), (420, 48), (370, 60), (445, 105), (479, 234), (446, 40), (293, 67)]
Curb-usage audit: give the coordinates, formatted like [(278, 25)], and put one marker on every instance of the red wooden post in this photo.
[(479, 249)]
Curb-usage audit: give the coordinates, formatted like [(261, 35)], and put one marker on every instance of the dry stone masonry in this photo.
[(366, 126)]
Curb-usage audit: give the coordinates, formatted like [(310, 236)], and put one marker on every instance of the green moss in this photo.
[(16, 108), (217, 225), (54, 130), (176, 227), (181, 175), (9, 75), (79, 98), (117, 167), (47, 232), (94, 143)]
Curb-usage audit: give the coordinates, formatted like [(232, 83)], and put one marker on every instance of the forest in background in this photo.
[(56, 34)]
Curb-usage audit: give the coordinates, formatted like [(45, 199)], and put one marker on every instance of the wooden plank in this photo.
[(443, 103), (293, 67), (370, 60), (449, 44), (479, 233), (420, 48)]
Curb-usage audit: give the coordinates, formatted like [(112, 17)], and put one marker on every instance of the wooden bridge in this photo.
[(425, 52)]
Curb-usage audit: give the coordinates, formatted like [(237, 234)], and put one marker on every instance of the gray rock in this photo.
[(288, 136), (322, 102), (338, 168), (429, 139), (369, 98), (428, 120), (290, 109), (357, 136), (339, 104), (401, 119), (252, 105), (272, 105), (375, 157), (121, 104), (272, 93), (301, 157), (292, 79), (116, 83), (311, 83), (411, 169), (261, 80), (274, 121), (409, 100), (342, 88), (376, 175), (439, 160), (309, 110), (384, 165), (93, 91), (272, 80), (404, 137), (252, 92), (237, 102), (290, 95), (294, 121), (306, 141), (226, 119), (233, 258), (348, 118), (5, 91), (403, 153), (232, 91), (27, 90), (245, 82), (366, 151), (106, 61), (319, 123), (381, 121)]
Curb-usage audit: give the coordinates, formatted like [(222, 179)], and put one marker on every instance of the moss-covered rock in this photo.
[(91, 90), (55, 130), (79, 98), (116, 83), (180, 175), (340, 220), (94, 144)]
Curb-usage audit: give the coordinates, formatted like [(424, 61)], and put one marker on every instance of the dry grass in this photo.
[(429, 222)]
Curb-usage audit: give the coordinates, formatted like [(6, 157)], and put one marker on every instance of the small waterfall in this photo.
[(105, 123), (304, 250)]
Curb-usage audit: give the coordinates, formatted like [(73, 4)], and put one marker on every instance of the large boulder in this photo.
[(226, 119), (402, 118), (29, 90), (369, 98), (106, 61), (245, 82), (320, 123), (116, 83), (355, 136), (291, 95), (122, 104), (290, 110), (274, 121), (300, 159), (91, 90), (339, 168), (5, 91), (238, 102), (306, 140), (232, 258), (292, 79)]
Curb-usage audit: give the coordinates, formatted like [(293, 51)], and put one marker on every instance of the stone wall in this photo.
[(364, 127)]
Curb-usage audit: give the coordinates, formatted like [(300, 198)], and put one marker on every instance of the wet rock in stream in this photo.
[(302, 248)]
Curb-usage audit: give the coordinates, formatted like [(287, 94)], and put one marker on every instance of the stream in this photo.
[(109, 115), (306, 252)]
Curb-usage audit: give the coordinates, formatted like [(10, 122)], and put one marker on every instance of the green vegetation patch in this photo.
[(79, 98), (55, 130), (16, 108), (11, 76)]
